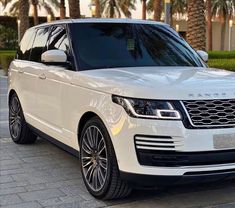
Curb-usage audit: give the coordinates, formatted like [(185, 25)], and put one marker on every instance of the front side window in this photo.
[(106, 45), (39, 45), (58, 39)]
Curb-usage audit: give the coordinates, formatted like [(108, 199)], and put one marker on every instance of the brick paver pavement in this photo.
[(42, 175)]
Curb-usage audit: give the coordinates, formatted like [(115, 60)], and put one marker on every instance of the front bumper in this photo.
[(123, 132), (138, 180)]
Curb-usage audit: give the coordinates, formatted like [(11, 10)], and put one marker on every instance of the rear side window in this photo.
[(39, 45), (26, 43)]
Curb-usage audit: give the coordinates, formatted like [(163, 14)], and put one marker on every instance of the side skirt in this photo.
[(55, 142)]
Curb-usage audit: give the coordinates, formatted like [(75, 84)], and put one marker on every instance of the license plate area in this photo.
[(224, 141)]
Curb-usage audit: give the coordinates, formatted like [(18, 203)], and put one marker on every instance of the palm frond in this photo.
[(14, 9), (48, 8)]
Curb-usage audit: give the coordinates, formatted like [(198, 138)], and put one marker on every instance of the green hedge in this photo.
[(5, 59), (221, 54), (228, 64)]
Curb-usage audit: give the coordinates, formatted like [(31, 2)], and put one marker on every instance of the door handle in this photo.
[(42, 76), (21, 71)]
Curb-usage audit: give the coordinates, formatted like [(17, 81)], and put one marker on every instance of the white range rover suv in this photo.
[(137, 104)]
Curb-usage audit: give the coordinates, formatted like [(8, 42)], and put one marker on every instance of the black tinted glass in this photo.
[(39, 45), (58, 39), (26, 43), (106, 45)]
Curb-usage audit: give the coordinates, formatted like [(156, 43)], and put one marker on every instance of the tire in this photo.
[(99, 164), (19, 130)]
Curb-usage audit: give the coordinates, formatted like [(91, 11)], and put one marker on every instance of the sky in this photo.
[(85, 10)]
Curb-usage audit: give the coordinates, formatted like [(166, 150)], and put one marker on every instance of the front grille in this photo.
[(203, 113)]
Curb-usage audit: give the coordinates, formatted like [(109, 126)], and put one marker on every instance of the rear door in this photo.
[(26, 75)]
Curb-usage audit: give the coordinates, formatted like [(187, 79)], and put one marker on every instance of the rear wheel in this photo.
[(19, 130), (98, 163)]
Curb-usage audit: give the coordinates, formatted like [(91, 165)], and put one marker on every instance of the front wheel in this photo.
[(98, 163)]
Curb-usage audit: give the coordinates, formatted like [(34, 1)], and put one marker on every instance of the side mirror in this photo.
[(54, 57), (204, 55)]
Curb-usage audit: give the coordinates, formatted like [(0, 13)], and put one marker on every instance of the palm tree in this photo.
[(224, 10), (35, 11), (157, 10), (62, 9), (155, 6), (97, 8), (74, 9), (209, 23), (144, 9), (47, 5), (178, 6), (196, 30), (115, 8), (23, 16)]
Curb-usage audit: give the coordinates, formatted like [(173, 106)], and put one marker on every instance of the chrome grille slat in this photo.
[(211, 112), (157, 143)]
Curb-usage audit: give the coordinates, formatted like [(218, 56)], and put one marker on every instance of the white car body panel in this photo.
[(169, 83)]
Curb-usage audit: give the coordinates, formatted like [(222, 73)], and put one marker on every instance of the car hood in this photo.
[(172, 83)]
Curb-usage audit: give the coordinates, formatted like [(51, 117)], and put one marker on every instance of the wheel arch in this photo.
[(85, 117)]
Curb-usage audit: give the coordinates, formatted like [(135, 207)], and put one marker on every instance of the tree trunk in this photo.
[(157, 10), (144, 8), (62, 9), (223, 30), (196, 30), (23, 16), (171, 19), (35, 12), (97, 9), (74, 9), (112, 11), (209, 24)]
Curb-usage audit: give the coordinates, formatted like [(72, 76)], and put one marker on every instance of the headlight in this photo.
[(143, 108)]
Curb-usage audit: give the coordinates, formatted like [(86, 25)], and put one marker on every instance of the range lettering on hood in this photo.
[(206, 95)]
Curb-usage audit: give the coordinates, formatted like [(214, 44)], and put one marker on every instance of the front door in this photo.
[(50, 83)]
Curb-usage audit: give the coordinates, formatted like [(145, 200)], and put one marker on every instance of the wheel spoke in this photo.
[(101, 145), (103, 163), (86, 161), (96, 137), (94, 179), (89, 137), (86, 147), (90, 172), (101, 148), (101, 176)]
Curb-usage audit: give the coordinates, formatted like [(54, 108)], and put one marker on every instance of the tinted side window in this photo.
[(59, 40), (25, 45), (39, 45)]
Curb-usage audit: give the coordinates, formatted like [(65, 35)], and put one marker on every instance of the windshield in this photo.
[(106, 45)]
